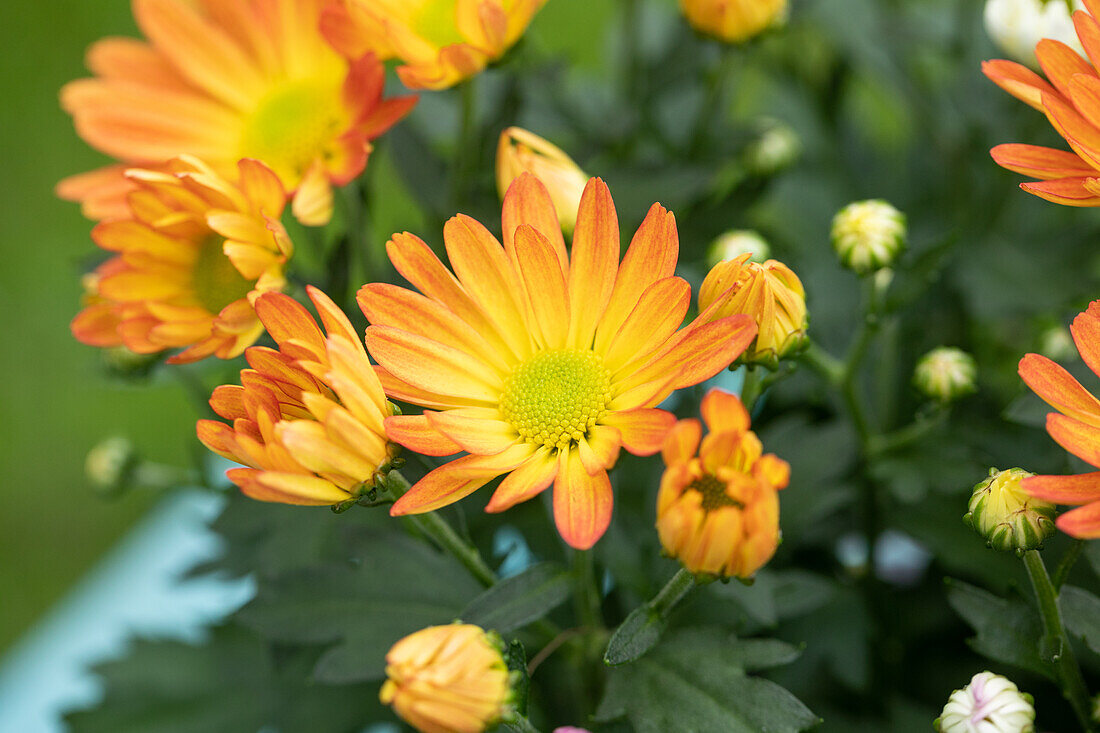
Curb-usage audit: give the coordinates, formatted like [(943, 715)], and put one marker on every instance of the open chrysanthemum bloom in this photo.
[(192, 255), (225, 80), (718, 511), (306, 418), (440, 42), (538, 363), (1071, 101), (1076, 427)]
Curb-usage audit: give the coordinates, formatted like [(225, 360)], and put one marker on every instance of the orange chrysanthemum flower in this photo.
[(537, 363), (193, 253), (1071, 101), (718, 512), (1076, 427), (307, 418), (225, 80), (441, 42)]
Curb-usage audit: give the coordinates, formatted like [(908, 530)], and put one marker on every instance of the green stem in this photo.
[(716, 86), (907, 435), (1056, 640), (825, 364), (1067, 563), (678, 586), (467, 154), (586, 594), (750, 388)]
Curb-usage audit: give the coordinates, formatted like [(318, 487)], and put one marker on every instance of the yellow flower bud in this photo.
[(520, 151), (1006, 516), (448, 679), (718, 511), (989, 704), (769, 292), (110, 465), (733, 21), (945, 374), (868, 235)]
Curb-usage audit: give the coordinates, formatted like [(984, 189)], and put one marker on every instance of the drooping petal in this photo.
[(477, 430), (1059, 389), (417, 433), (1080, 439), (525, 482), (643, 429), (1019, 81), (431, 365), (1077, 489), (458, 479), (1082, 523), (582, 503), (1064, 191), (1039, 162)]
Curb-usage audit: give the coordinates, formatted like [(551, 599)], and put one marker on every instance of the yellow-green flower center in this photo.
[(294, 125), (215, 280), (714, 493), (435, 22), (555, 397)]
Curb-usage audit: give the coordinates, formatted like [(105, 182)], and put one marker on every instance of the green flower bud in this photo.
[(735, 243), (1006, 516), (989, 704), (777, 148), (868, 235), (946, 374), (111, 464)]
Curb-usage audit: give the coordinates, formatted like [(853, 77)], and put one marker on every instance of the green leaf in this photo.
[(696, 680), (635, 636), (393, 586), (517, 601), (1081, 613), (1008, 631)]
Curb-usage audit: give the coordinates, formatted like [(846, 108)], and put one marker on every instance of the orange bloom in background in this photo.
[(225, 80), (192, 254), (1076, 427), (718, 512), (440, 42), (448, 679), (306, 418), (733, 21), (1071, 101), (520, 151), (538, 363)]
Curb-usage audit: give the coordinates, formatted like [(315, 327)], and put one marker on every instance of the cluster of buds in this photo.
[(771, 293), (989, 704), (945, 374), (1006, 516), (868, 235)]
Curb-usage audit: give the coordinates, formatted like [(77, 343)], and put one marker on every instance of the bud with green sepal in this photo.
[(989, 704), (945, 374), (868, 235), (1006, 516)]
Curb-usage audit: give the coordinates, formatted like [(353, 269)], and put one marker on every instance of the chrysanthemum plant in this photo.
[(564, 490)]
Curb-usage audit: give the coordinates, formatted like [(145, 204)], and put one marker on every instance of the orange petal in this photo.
[(1082, 523), (312, 204), (643, 429), (545, 285), (405, 392), (1081, 135), (432, 366), (333, 319), (602, 448), (417, 433), (1078, 438), (1039, 162), (218, 437), (286, 319), (650, 258), (1079, 489), (1059, 389), (682, 441), (1089, 34), (593, 263), (724, 412), (475, 429), (300, 488), (1086, 335), (1019, 81), (458, 479), (528, 202), (582, 503), (1060, 63), (1064, 191), (657, 314), (228, 401), (261, 187), (526, 481)]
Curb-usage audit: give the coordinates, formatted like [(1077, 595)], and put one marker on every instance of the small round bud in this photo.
[(448, 679), (1006, 516), (735, 243), (110, 465), (868, 235), (777, 148), (989, 704), (1056, 343), (945, 374)]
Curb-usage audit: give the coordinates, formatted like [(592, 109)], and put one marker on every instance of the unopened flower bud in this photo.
[(1056, 343), (777, 147), (520, 151), (989, 704), (735, 243), (946, 374), (1016, 26), (110, 465), (769, 292), (1006, 516), (448, 679), (733, 21), (868, 235)]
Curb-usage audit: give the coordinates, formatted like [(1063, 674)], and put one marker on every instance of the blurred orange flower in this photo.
[(193, 253), (538, 363), (306, 418), (1071, 101), (1076, 427), (733, 21), (225, 80), (718, 512), (440, 42)]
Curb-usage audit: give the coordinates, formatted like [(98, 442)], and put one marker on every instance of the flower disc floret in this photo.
[(555, 398)]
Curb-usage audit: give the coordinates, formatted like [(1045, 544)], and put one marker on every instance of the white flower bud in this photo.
[(989, 704), (868, 235), (1017, 25)]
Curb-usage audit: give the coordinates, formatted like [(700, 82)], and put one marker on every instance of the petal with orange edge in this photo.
[(682, 441), (528, 202), (458, 479), (1082, 523), (307, 489), (1039, 162), (432, 366), (312, 204), (478, 430), (525, 482), (1077, 489), (593, 263), (582, 503), (658, 313), (724, 412), (417, 433), (643, 430), (286, 319), (1064, 191), (545, 285), (1059, 389), (1086, 335), (1060, 63), (1078, 438), (1019, 81)]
